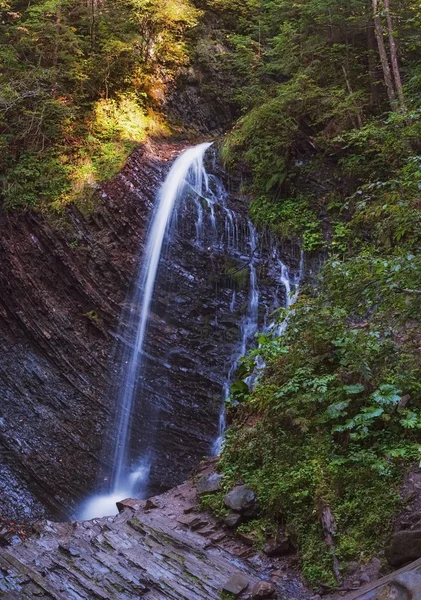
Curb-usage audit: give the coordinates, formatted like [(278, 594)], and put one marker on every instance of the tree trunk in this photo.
[(394, 56), (372, 63), (327, 521), (57, 48), (387, 75), (93, 11), (359, 122)]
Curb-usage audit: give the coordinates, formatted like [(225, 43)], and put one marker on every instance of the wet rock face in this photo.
[(200, 299), (62, 291), (62, 286)]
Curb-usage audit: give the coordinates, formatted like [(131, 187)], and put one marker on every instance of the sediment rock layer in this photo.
[(63, 285), (161, 549)]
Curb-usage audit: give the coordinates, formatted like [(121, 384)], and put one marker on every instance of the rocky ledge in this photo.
[(161, 548)]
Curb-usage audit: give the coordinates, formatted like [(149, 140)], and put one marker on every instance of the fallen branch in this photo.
[(332, 588)]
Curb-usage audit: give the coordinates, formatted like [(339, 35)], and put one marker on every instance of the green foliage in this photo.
[(78, 88), (36, 178), (328, 430), (335, 419), (291, 218)]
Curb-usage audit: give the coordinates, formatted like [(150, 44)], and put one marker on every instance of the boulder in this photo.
[(232, 520), (405, 547), (263, 589), (209, 484), (236, 584), (131, 503), (278, 546), (242, 500)]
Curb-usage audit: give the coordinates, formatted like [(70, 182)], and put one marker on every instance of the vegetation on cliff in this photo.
[(330, 137), (80, 84)]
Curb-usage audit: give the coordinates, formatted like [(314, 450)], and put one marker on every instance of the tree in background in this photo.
[(393, 84)]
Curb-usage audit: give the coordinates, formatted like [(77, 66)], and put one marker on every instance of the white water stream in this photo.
[(186, 177), (127, 478)]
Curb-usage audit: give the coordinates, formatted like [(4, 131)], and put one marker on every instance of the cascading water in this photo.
[(125, 480), (196, 222), (249, 324), (291, 285)]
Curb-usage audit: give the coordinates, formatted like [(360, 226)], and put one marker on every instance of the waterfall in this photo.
[(187, 170), (193, 212), (290, 282)]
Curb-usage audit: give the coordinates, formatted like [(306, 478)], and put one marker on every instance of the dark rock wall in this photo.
[(62, 289), (192, 341)]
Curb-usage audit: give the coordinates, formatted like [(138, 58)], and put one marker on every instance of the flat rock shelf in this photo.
[(161, 548)]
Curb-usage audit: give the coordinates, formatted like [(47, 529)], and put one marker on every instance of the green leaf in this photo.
[(337, 410), (387, 395), (356, 388), (239, 387)]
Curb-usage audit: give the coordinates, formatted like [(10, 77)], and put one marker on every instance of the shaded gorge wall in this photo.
[(62, 294)]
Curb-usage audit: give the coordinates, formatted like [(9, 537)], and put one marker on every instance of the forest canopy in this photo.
[(81, 83)]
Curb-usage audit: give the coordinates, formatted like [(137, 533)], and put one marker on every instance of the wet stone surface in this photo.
[(141, 553)]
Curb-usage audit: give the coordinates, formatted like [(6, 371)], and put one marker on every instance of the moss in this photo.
[(291, 481), (214, 503)]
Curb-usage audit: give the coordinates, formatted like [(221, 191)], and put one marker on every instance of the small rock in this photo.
[(277, 574), (263, 589), (352, 567), (375, 569), (232, 520), (242, 500), (256, 561), (71, 550), (6, 538), (152, 503), (201, 524), (364, 578), (189, 509), (189, 520), (279, 546), (209, 484), (131, 503), (206, 532), (236, 584), (193, 521), (217, 537), (404, 548), (245, 538)]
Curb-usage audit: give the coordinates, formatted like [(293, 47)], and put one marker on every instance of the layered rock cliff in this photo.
[(63, 286)]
